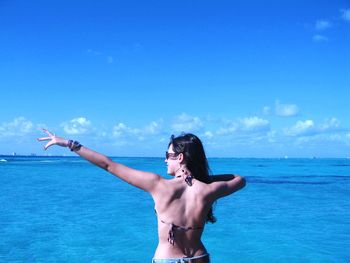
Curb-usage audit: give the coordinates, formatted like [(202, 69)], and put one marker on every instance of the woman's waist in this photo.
[(168, 234), (204, 258), (166, 250)]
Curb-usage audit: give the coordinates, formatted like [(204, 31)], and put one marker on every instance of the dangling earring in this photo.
[(188, 176)]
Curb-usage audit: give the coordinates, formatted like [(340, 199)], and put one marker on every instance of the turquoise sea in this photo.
[(63, 209)]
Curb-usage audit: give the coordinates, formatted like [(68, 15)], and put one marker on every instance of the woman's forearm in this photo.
[(94, 157)]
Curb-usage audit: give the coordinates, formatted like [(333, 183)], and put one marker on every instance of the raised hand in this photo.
[(53, 140)]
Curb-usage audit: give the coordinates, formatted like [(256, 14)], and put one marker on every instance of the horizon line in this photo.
[(211, 157)]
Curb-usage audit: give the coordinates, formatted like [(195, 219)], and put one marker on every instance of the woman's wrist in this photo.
[(73, 145), (69, 143)]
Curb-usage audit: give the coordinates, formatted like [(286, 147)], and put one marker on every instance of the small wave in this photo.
[(3, 160), (327, 176), (287, 182)]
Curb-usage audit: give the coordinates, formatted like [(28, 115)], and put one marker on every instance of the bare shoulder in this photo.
[(164, 187)]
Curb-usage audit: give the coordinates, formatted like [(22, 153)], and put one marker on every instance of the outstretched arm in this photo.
[(144, 180), (226, 184)]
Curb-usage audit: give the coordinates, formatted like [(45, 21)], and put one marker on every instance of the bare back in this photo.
[(182, 205)]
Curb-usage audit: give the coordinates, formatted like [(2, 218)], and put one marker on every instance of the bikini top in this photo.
[(173, 227)]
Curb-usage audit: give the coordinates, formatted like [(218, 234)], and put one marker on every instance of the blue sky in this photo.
[(250, 78)]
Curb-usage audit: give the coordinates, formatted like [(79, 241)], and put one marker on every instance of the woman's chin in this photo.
[(169, 173)]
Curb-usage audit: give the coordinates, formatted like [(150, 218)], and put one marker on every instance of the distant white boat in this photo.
[(3, 160)]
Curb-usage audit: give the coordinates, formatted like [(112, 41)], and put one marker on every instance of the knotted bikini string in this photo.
[(171, 233)]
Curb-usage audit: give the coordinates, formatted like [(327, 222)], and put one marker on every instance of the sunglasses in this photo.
[(171, 155)]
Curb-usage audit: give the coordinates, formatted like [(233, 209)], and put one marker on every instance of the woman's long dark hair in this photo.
[(196, 162)]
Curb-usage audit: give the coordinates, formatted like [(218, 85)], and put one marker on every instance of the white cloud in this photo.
[(153, 128), (286, 110), (18, 127), (78, 125), (254, 124), (121, 130), (345, 14), (245, 125), (208, 135), (228, 130), (271, 136), (322, 24), (186, 123), (319, 38), (301, 128), (347, 138), (330, 125), (322, 138), (308, 128)]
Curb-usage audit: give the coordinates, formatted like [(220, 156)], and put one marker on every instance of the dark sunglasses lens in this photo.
[(172, 155)]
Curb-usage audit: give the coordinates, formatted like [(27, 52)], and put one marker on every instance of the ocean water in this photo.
[(63, 209)]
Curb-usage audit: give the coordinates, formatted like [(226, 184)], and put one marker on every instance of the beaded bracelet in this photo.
[(74, 145), (70, 142)]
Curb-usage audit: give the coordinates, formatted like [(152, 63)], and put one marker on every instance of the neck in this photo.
[(182, 172), (178, 172)]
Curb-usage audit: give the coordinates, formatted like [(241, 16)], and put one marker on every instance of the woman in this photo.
[(183, 204)]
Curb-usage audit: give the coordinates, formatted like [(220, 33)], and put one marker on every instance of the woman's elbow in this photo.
[(108, 165), (241, 180)]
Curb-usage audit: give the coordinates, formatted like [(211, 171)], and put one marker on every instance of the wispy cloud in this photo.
[(208, 135), (306, 127), (319, 38), (186, 123), (155, 127), (331, 124), (125, 132), (345, 14), (229, 129), (108, 58), (266, 110), (122, 129), (93, 52), (254, 124), (347, 139), (245, 125), (286, 110), (322, 138), (309, 128), (78, 125), (323, 25), (19, 126)]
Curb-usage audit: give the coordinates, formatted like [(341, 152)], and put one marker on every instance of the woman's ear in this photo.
[(181, 158)]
